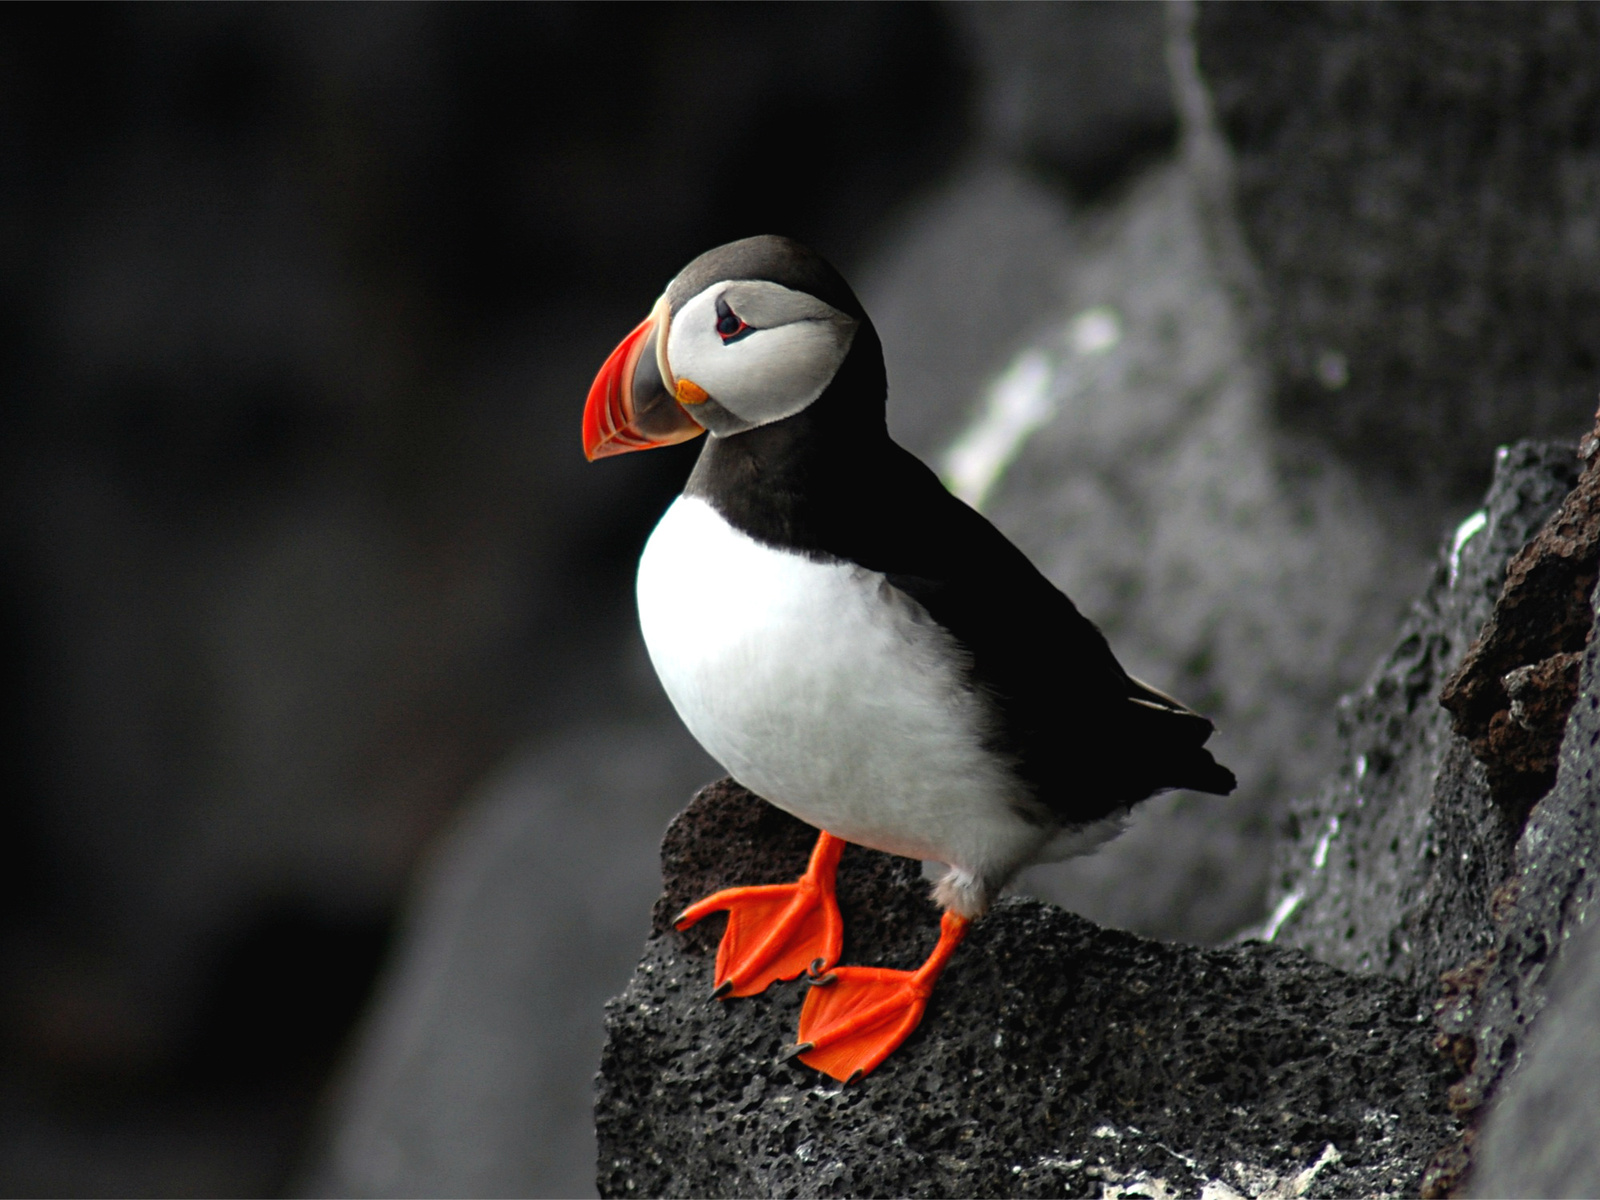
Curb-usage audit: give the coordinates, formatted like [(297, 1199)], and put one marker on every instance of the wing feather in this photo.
[(1092, 738)]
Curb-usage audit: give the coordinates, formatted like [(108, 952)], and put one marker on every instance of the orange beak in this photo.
[(631, 406)]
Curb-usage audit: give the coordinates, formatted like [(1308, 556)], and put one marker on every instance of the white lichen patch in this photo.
[(1143, 1185), (1262, 1183), (1465, 532), (1319, 859), (1281, 913), (1024, 399), (1019, 403)]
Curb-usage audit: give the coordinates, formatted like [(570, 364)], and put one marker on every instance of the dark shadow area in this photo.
[(280, 1000)]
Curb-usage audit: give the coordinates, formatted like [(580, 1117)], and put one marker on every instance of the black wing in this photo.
[(1088, 736)]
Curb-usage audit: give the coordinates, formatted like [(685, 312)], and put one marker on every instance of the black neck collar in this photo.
[(786, 483)]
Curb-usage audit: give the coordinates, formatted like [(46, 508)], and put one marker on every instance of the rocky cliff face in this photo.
[(1463, 863), (1390, 865), (1056, 1058)]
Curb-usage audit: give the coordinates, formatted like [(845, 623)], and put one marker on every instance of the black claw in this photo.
[(796, 1051), (722, 989), (815, 975), (854, 1075)]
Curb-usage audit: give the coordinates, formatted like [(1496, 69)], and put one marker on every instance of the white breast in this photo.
[(829, 692)]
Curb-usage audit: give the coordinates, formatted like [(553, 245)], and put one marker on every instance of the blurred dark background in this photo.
[(315, 619), (300, 305)]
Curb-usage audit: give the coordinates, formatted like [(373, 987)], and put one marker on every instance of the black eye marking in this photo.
[(729, 327)]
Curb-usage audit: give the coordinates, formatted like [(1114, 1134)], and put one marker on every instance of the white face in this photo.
[(760, 350)]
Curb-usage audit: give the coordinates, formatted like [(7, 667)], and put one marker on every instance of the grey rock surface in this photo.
[(1544, 899), (971, 272), (1390, 865), (1419, 184), (473, 1073), (1079, 92), (1539, 1139), (1055, 1058), (1409, 863)]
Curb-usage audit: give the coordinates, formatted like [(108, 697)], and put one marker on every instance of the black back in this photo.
[(829, 482)]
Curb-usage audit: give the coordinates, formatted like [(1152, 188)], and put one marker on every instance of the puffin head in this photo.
[(750, 333)]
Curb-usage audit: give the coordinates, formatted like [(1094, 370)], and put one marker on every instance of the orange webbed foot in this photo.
[(776, 931), (854, 1018)]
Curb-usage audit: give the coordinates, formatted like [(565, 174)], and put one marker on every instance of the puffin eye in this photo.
[(729, 327)]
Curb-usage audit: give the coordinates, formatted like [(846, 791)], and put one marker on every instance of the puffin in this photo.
[(855, 644)]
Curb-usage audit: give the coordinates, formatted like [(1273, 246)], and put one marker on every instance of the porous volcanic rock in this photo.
[(1495, 1002), (1540, 1137), (1056, 1058), (1390, 866), (1512, 692), (1453, 863)]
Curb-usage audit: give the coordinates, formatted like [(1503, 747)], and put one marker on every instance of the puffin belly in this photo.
[(826, 690)]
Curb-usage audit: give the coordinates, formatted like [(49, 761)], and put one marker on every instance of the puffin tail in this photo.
[(1178, 735), (1199, 772)]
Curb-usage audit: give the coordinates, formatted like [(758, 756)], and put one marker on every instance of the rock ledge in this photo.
[(1055, 1058)]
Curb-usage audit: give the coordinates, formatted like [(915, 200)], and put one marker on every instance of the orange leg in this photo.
[(777, 931), (853, 1022)]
